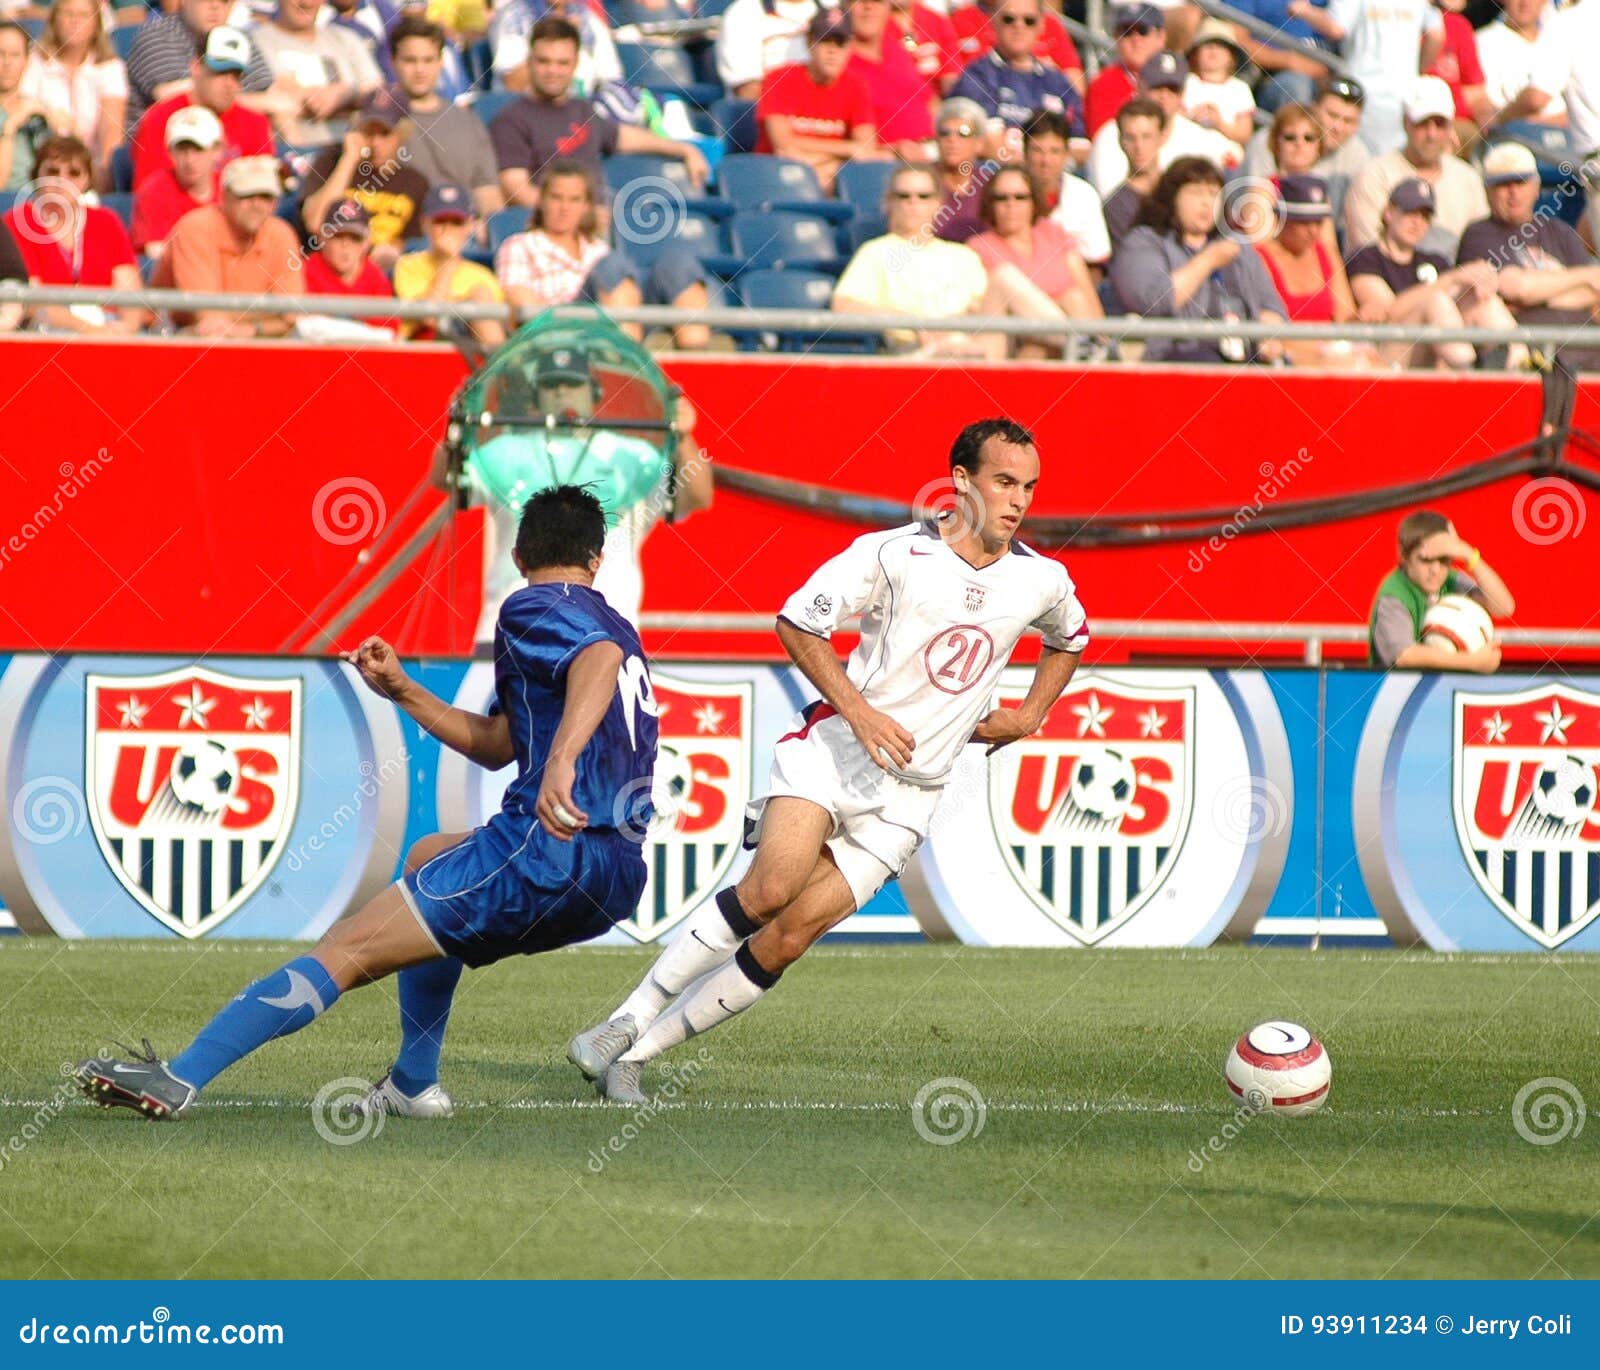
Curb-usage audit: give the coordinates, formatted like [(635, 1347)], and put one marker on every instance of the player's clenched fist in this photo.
[(557, 810), (884, 740), (379, 667), (1001, 726)]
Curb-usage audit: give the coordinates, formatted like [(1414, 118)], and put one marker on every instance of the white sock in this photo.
[(714, 998), (709, 938)]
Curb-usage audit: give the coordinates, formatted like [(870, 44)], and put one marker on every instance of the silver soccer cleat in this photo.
[(620, 1084), (594, 1051), (385, 1097)]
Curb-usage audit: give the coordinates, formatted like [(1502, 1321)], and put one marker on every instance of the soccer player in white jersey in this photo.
[(856, 780)]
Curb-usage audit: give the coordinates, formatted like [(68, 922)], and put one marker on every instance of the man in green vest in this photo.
[(1430, 553)]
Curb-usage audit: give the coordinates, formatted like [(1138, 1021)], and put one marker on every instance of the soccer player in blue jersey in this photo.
[(560, 863)]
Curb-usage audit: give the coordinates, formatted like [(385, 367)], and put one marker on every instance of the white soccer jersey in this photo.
[(935, 631)]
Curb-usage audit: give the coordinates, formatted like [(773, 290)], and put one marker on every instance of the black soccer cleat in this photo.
[(143, 1084)]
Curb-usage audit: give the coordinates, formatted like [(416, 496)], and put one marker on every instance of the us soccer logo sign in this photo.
[(193, 780), (1091, 811), (1526, 771), (702, 782)]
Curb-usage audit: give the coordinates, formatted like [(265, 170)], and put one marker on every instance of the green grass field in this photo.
[(792, 1150)]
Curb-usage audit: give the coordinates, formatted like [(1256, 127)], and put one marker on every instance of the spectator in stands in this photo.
[(1009, 81), (194, 148), (444, 141), (1458, 67), (551, 122), (1214, 96), (903, 99), (963, 169), (75, 70), (12, 268), (1069, 198), (1395, 281), (214, 82), (758, 35), (1140, 32), (1291, 74), (563, 257), (817, 112), (361, 20), (1509, 50), (1035, 271), (1308, 276), (1386, 43), (511, 35), (931, 40), (1430, 548), (1336, 118), (974, 29), (367, 166), (1141, 126), (343, 264), (1174, 264), (326, 71), (236, 245), (454, 82), (66, 241), (24, 122), (162, 60), (1162, 81), (911, 271), (441, 272), (1457, 188), (1546, 275)]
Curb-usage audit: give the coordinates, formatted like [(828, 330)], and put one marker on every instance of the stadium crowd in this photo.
[(916, 157)]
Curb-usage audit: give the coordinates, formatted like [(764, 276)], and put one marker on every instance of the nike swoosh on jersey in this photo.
[(301, 993), (919, 552)]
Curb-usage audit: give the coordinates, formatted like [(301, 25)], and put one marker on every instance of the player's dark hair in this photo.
[(1417, 528), (554, 29), (414, 26), (968, 449), (561, 526)]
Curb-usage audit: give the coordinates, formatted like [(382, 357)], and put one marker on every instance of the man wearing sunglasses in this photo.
[(1140, 32), (1010, 82), (1430, 552), (974, 30)]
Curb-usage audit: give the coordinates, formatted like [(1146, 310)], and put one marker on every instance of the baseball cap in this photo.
[(227, 49), (1509, 162), (1304, 198), (381, 107), (348, 216), (562, 364), (194, 124), (1429, 98), (252, 176), (447, 200), (1126, 17), (1164, 71), (829, 26), (1345, 89), (1413, 197)]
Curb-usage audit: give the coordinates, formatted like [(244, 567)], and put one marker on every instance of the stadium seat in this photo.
[(120, 203), (34, 28), (859, 230), (122, 167), (754, 182), (782, 238), (864, 184), (764, 289), (734, 121), (122, 39), (710, 9), (629, 168), (666, 70), (7, 199), (505, 222), (695, 232), (489, 103)]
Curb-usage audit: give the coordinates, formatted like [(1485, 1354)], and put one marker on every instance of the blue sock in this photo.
[(425, 995), (276, 1005)]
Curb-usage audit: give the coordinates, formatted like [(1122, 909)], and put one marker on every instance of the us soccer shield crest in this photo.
[(1526, 770), (1092, 810), (702, 783), (193, 777)]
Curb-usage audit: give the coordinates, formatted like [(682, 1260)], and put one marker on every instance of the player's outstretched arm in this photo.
[(591, 681), (477, 737), (1050, 677), (884, 740)]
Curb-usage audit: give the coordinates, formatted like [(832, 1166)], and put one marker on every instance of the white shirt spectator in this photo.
[(1508, 60), (1108, 163), (78, 92), (1231, 97), (597, 52), (1078, 211), (932, 278), (1382, 49), (1569, 66), (312, 59), (753, 41)]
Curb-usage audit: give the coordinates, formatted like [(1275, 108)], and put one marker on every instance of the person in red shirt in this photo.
[(1459, 68), (343, 264), (215, 77), (67, 242), (903, 99), (816, 111), (931, 40), (1140, 32), (194, 139), (974, 32)]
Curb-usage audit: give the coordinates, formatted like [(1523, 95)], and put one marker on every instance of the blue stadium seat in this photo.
[(864, 184), (666, 70), (629, 168), (859, 230), (695, 232), (119, 203), (122, 167), (753, 182), (7, 199), (710, 9), (782, 239), (489, 103), (34, 28), (505, 222), (734, 121), (122, 39), (764, 289)]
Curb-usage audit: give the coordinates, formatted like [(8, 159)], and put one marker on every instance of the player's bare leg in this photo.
[(792, 833)]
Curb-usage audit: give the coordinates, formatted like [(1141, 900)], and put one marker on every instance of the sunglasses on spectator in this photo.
[(957, 131), (1433, 561), (1020, 197), (1135, 31), (1028, 21), (913, 195)]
